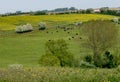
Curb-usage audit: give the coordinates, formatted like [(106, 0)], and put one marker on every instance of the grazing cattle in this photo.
[(76, 33), (80, 37), (64, 30), (73, 37), (68, 32)]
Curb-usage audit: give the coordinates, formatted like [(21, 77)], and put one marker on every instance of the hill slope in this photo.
[(9, 23)]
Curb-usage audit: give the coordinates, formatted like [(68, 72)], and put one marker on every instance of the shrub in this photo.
[(49, 60), (108, 60), (24, 28), (66, 60), (42, 26), (88, 58), (59, 49)]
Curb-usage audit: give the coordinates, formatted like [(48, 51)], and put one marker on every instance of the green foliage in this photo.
[(106, 10), (103, 61), (57, 47), (66, 59), (49, 60), (90, 10), (100, 36), (60, 50), (88, 58), (110, 60)]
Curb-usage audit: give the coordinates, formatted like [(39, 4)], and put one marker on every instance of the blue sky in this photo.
[(33, 5)]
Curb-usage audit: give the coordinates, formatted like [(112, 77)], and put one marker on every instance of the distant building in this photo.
[(96, 10), (117, 9)]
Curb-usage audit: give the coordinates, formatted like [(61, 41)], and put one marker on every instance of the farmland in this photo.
[(27, 48), (9, 23)]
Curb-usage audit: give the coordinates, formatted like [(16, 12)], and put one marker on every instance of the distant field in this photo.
[(10, 22)]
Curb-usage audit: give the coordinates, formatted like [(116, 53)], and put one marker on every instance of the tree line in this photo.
[(66, 10)]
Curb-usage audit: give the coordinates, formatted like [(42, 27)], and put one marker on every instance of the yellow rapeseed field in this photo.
[(10, 22)]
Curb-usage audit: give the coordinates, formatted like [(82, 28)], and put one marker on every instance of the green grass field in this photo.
[(27, 48)]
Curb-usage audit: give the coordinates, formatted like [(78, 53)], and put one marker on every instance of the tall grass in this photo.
[(57, 74)]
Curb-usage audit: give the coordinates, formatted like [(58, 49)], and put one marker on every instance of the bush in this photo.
[(88, 58), (66, 60), (42, 26), (49, 60), (59, 50), (105, 61), (24, 28), (109, 61)]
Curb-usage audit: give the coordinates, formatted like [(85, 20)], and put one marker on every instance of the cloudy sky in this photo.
[(33, 5)]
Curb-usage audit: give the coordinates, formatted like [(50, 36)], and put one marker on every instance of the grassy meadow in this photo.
[(27, 48)]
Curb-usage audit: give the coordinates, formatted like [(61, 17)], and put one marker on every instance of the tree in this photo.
[(49, 60), (59, 49), (100, 35), (61, 9), (104, 10), (90, 10), (72, 8)]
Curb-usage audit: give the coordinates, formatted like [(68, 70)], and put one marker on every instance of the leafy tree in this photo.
[(49, 60), (100, 35), (104, 10), (90, 10), (72, 8), (61, 9), (60, 50)]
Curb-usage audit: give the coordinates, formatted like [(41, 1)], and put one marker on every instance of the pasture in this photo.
[(27, 48)]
